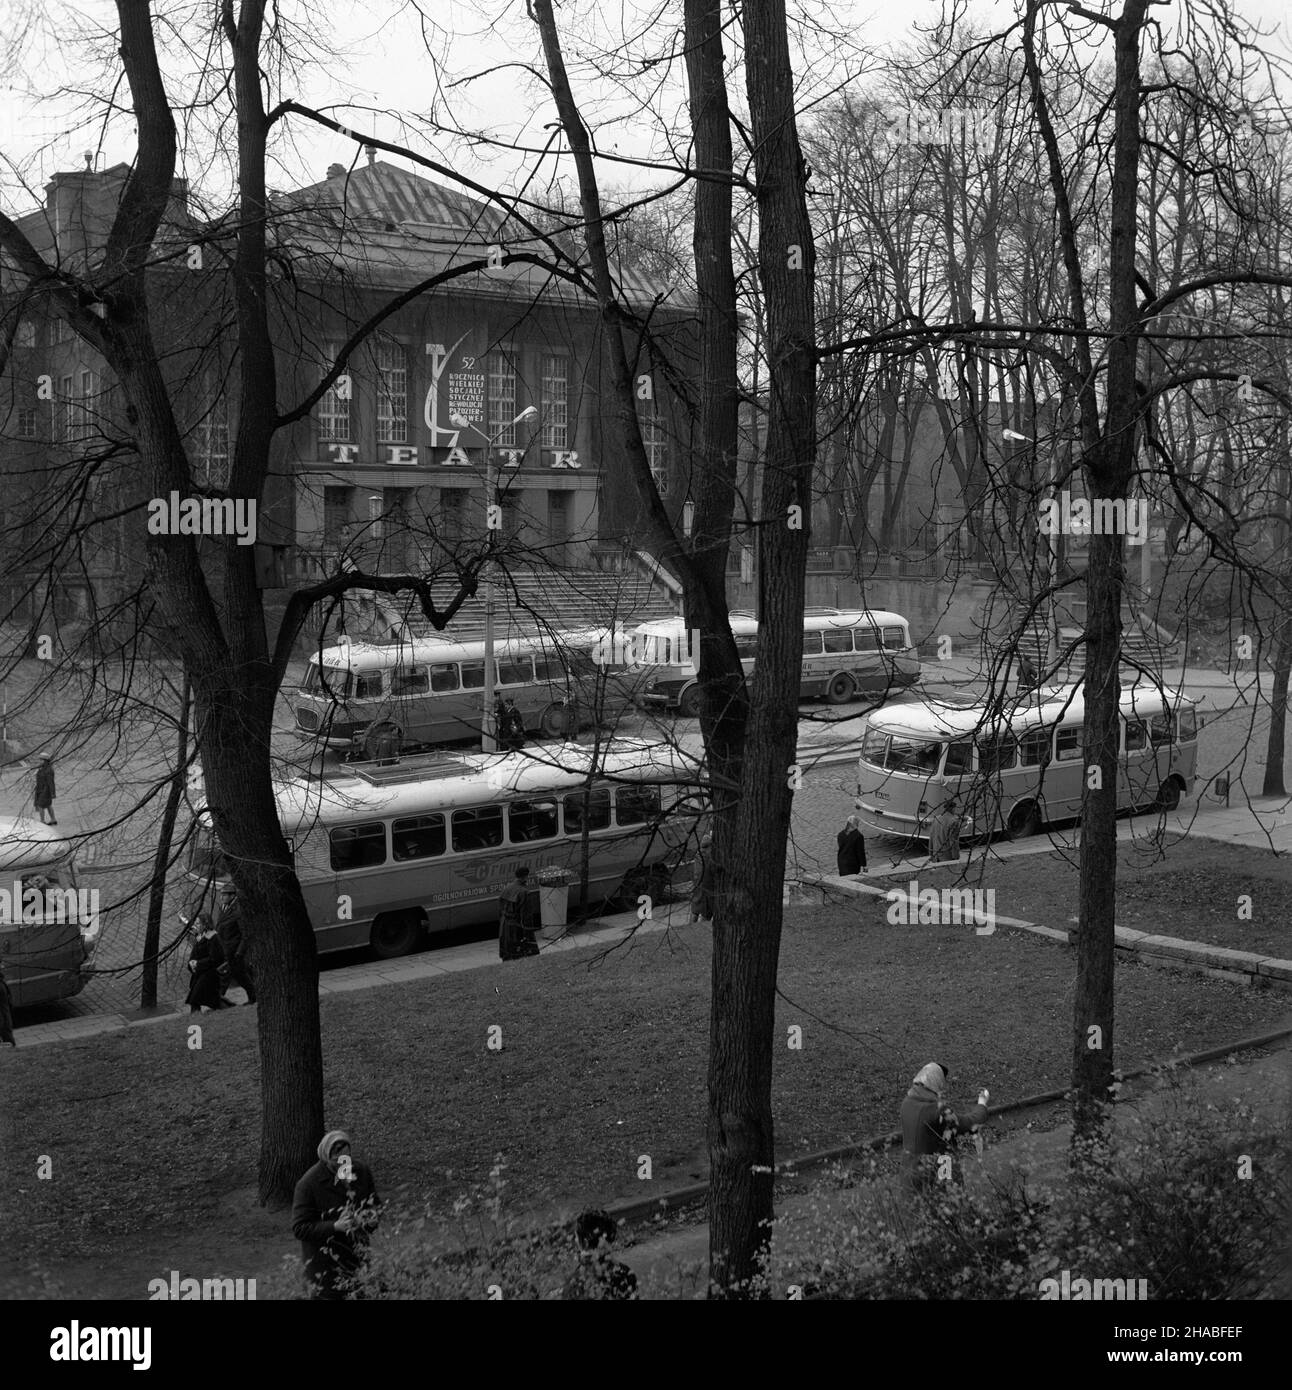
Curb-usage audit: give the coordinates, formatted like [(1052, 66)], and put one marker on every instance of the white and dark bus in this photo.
[(386, 856)]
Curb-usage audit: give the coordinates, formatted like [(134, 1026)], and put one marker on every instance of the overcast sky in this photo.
[(382, 66)]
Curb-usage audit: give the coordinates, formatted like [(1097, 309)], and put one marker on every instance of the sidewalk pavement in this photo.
[(674, 1263), (607, 932)]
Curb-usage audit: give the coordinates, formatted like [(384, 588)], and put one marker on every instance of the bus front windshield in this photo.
[(902, 753), (205, 857)]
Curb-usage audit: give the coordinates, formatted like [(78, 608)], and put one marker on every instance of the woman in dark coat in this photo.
[(852, 848), (44, 798), (205, 963), (6, 1011)]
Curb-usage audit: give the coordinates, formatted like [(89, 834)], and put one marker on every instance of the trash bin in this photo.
[(553, 901)]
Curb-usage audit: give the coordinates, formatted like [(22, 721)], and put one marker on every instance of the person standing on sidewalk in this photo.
[(228, 928), (6, 1011), (44, 797), (852, 848), (702, 884), (944, 834), (930, 1127), (513, 941)]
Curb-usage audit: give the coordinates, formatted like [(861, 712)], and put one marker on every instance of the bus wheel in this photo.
[(840, 689), (383, 741), (557, 722), (395, 934), (1024, 820), (689, 705), (1168, 795)]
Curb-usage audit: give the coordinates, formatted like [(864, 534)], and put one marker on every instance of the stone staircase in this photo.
[(529, 601)]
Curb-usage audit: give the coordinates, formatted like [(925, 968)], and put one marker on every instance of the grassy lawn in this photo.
[(1192, 894), (154, 1145)]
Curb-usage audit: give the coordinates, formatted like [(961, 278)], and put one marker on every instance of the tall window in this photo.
[(656, 444), (392, 392), (334, 408), (25, 337), (65, 406), (28, 424), (211, 437), (453, 513), (554, 391), (502, 399), (336, 517), (85, 408), (62, 330)]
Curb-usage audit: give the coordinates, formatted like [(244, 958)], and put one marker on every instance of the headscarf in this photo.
[(931, 1077), (333, 1136), (852, 823)]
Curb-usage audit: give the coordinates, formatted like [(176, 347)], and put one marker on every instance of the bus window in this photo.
[(907, 755), (480, 828), (1160, 730), (895, 639), (444, 678), (1034, 748), (548, 668), (812, 643), (1188, 725), (865, 639), (335, 683), (311, 684), (598, 811), (358, 846), (516, 670), (1067, 744), (959, 760), (1136, 735), (997, 754), (636, 805), (368, 686), (531, 820), (473, 675), (874, 748), (747, 646), (417, 837), (410, 682), (837, 641)]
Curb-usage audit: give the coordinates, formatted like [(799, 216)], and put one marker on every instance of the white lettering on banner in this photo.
[(566, 458), (457, 458), (343, 453), (512, 458), (467, 395), (401, 454)]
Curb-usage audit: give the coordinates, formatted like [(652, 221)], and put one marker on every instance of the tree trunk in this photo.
[(161, 860)]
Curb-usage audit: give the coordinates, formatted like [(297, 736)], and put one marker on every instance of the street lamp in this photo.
[(1051, 557), (488, 732)]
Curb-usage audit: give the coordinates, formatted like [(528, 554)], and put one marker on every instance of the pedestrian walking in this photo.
[(514, 942), (509, 727), (205, 963), (335, 1209), (852, 848), (598, 1276), (44, 797), (386, 746), (702, 885), (944, 834), (233, 943), (6, 1011), (1027, 675), (930, 1128)]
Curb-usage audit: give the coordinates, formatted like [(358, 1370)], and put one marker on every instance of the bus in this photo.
[(47, 940), (430, 690), (845, 652), (385, 856), (1019, 769)]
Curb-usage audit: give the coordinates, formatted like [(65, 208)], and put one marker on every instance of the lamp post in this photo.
[(488, 731), (1051, 557)]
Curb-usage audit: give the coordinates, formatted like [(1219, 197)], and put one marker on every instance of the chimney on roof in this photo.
[(371, 152), (336, 171)]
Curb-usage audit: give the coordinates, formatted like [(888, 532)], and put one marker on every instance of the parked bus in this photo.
[(431, 690), (1020, 770), (388, 855), (46, 941), (844, 652)]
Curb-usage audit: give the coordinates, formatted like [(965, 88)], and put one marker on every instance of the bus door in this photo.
[(1137, 776)]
